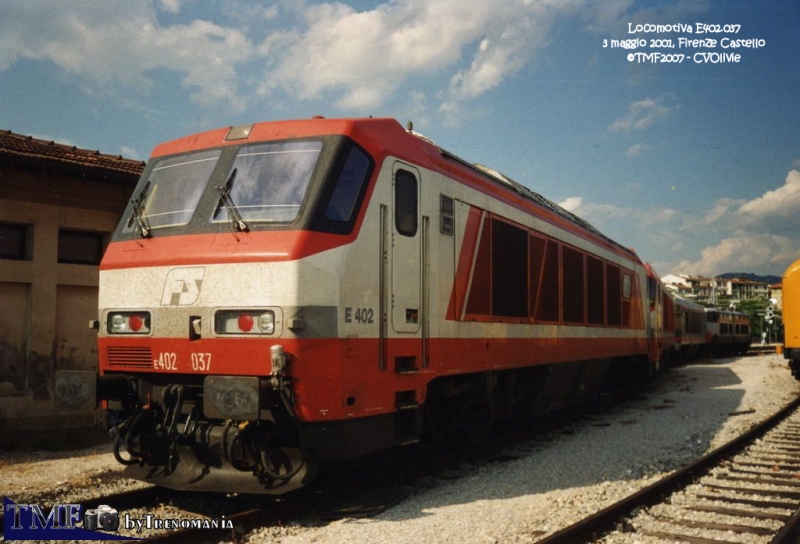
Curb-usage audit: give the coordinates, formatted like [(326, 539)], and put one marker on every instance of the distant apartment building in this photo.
[(707, 290), (58, 207), (679, 284), (742, 289)]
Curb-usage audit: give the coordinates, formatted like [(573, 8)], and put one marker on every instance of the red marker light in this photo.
[(246, 322), (136, 323)]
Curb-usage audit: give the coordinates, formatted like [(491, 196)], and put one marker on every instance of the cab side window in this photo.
[(405, 202), (348, 188)]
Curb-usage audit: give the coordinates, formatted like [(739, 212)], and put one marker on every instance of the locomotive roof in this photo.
[(527, 193), (371, 129), (523, 191)]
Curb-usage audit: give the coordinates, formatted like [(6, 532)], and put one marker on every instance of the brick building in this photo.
[(58, 207)]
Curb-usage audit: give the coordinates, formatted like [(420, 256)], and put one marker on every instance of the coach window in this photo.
[(652, 290), (627, 283), (405, 202), (572, 271), (595, 290), (342, 202), (613, 295), (536, 247), (509, 270), (547, 305)]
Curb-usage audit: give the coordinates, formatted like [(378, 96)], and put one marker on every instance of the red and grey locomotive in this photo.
[(285, 293)]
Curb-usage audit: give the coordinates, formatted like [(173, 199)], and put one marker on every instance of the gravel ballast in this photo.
[(541, 486)]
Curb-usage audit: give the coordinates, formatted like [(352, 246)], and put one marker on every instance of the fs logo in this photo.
[(182, 286)]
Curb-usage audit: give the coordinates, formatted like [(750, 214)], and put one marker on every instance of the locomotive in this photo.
[(284, 294)]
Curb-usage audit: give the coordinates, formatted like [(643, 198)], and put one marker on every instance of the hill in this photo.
[(768, 279)]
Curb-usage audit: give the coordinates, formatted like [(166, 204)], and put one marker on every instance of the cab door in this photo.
[(406, 269)]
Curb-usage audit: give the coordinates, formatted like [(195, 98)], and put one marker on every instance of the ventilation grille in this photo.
[(130, 357)]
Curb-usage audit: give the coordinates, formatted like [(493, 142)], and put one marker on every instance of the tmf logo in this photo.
[(182, 286)]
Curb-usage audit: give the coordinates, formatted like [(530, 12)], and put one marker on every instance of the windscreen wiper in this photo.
[(234, 216), (138, 216)]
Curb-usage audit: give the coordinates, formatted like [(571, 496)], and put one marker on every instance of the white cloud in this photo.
[(637, 149), (606, 213), (572, 204), (761, 252), (732, 235), (129, 153), (173, 6), (783, 202), (365, 56), (454, 50), (122, 44), (611, 17), (643, 113), (720, 210)]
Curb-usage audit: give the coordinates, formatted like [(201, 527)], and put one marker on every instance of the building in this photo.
[(715, 291), (692, 287), (743, 289), (58, 207), (678, 285)]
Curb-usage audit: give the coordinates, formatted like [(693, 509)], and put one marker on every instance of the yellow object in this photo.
[(791, 307)]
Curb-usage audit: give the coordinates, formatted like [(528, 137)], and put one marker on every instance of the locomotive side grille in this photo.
[(130, 357)]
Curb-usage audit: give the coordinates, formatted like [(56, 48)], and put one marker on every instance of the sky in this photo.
[(640, 117)]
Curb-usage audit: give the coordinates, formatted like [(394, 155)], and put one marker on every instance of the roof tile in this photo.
[(18, 145)]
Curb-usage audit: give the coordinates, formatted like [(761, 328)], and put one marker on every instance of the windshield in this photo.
[(174, 188), (270, 181)]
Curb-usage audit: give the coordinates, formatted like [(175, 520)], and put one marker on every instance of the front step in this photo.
[(407, 419)]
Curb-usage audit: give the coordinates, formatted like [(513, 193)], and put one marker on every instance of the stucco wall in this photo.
[(47, 305)]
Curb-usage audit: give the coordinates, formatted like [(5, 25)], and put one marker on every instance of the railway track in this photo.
[(352, 491), (745, 491), (370, 497)]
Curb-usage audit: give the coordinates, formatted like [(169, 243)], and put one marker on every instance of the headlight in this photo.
[(244, 322), (266, 322), (128, 323)]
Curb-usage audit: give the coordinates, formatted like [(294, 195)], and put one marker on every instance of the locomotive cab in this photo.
[(203, 312)]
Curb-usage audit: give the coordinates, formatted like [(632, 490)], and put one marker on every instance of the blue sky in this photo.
[(695, 165)]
